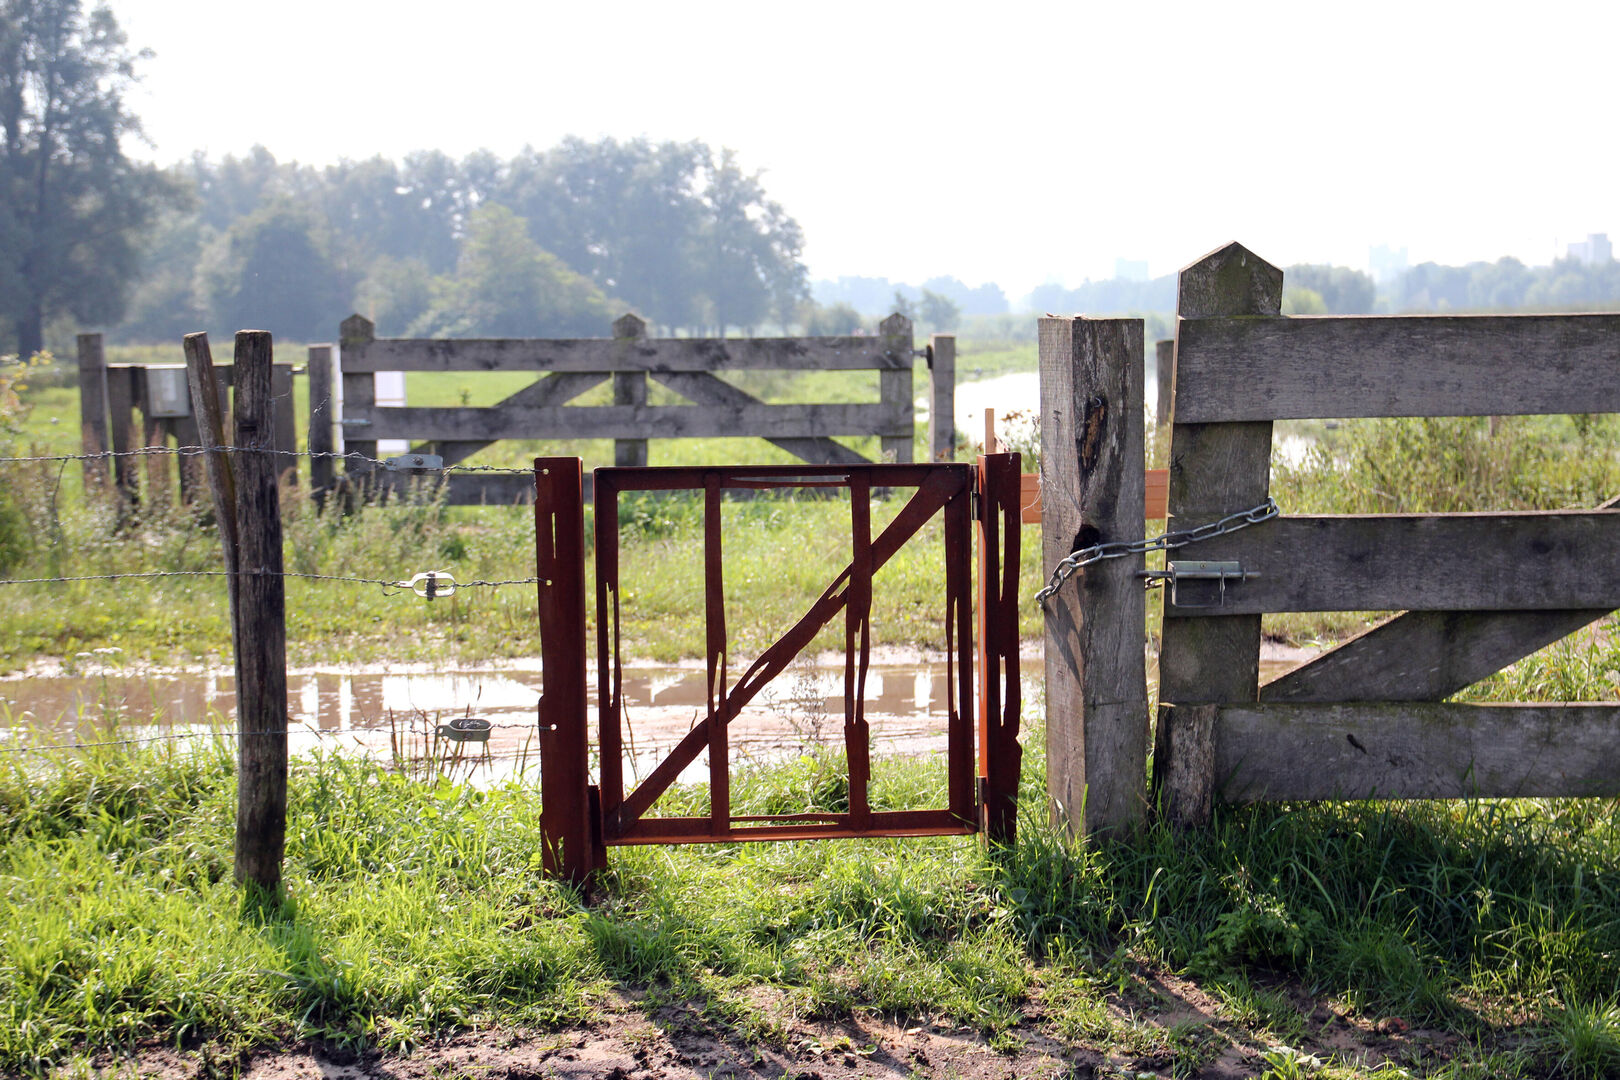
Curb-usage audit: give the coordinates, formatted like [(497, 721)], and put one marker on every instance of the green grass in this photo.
[(417, 908), (781, 553)]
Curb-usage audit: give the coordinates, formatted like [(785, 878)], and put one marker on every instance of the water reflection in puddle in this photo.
[(394, 713)]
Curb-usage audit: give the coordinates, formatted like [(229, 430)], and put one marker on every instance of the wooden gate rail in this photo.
[(1479, 590), (687, 366)]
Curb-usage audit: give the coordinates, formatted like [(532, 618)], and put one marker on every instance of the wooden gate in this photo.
[(1478, 590), (580, 818)]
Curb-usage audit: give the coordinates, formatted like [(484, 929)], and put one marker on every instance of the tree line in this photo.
[(547, 242)]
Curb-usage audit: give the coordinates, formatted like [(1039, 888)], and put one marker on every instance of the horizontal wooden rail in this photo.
[(609, 354), (1528, 561), (1153, 506), (429, 424), (1280, 368), (1415, 750)]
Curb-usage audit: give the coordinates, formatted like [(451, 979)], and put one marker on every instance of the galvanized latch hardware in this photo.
[(1178, 571), (415, 463), (465, 729)]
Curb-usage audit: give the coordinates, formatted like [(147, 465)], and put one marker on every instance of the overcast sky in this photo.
[(1013, 142)]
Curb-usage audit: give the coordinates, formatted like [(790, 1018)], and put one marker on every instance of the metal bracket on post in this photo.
[(1200, 570), (415, 463)]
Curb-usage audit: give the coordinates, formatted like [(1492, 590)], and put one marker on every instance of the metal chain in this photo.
[(1118, 549)]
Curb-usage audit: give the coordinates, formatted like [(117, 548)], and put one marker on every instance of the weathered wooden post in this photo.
[(93, 411), (1164, 373), (359, 392), (285, 423), (261, 640), (1215, 470), (320, 438), (942, 397), (894, 388), (629, 387), (155, 436), (121, 379), (247, 503), (1092, 490)]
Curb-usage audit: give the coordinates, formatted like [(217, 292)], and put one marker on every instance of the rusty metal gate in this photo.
[(580, 819)]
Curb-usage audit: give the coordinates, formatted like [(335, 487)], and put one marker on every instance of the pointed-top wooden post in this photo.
[(894, 389), (359, 392), (1215, 469), (1229, 281), (629, 388)]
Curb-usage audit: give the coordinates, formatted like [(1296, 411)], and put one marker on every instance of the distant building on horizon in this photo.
[(1130, 270), (1595, 250), (1386, 264)]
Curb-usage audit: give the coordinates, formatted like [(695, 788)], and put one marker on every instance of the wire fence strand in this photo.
[(227, 733), (197, 451)]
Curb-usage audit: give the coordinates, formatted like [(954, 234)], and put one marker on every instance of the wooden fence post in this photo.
[(1215, 470), (894, 386), (208, 406), (285, 422), (359, 392), (121, 425), (942, 397), (1092, 490), (629, 388), (93, 410), (261, 628), (1164, 371), (154, 435), (320, 440)]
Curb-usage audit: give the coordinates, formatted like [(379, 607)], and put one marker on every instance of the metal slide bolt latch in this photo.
[(1199, 570), (432, 584), (465, 729)]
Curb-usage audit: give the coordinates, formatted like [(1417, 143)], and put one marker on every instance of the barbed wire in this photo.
[(350, 456), (226, 733), (389, 586)]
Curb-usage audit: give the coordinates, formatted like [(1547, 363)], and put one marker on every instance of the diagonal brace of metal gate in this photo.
[(579, 820)]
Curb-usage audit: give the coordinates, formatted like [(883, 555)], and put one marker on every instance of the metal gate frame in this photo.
[(579, 820)]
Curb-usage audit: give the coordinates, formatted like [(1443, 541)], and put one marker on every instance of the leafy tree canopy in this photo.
[(676, 230), (73, 203), (506, 285)]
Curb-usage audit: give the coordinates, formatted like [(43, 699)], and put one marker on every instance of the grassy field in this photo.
[(1382, 940), (772, 570)]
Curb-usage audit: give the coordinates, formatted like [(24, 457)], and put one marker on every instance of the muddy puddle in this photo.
[(397, 714)]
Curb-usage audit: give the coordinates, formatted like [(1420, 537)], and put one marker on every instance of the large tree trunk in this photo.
[(30, 331)]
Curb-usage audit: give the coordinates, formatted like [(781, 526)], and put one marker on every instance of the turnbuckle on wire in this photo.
[(432, 584), (1119, 549)]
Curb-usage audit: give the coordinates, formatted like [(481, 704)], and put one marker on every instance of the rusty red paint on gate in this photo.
[(579, 818)]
